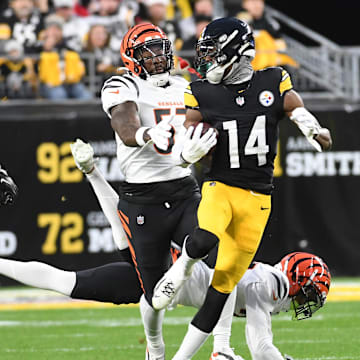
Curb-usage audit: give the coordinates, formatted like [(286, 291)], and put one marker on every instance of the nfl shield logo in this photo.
[(140, 220), (240, 100)]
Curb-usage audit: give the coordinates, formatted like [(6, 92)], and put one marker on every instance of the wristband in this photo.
[(139, 135)]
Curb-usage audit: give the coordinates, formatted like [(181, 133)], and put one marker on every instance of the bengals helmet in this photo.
[(143, 44), (309, 279), (223, 42)]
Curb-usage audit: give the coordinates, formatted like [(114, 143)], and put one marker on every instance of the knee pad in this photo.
[(200, 243)]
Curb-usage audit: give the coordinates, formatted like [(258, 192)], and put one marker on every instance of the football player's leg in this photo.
[(40, 275), (115, 283), (148, 230), (213, 218), (242, 238), (214, 214)]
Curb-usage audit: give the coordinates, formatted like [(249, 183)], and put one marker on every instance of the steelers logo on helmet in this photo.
[(266, 98), (147, 52)]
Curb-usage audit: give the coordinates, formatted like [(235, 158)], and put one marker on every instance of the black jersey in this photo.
[(246, 117), (25, 32)]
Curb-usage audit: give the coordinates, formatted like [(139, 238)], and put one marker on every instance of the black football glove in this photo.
[(8, 189)]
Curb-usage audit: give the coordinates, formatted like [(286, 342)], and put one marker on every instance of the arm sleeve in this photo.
[(108, 199), (117, 90), (259, 336)]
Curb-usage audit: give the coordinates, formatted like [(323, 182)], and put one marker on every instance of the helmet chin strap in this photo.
[(159, 79)]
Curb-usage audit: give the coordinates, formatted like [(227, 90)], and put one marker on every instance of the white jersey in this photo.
[(147, 164), (262, 291)]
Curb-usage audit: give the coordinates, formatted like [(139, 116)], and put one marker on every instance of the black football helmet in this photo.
[(221, 44), (8, 189)]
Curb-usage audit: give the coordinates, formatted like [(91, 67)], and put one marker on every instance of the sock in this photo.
[(186, 260), (152, 321), (222, 330), (39, 275), (192, 342), (108, 200), (213, 304)]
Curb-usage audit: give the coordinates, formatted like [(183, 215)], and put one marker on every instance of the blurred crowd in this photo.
[(48, 48)]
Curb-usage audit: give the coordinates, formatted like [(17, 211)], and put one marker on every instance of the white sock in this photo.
[(108, 200), (39, 275), (152, 320), (186, 260), (222, 330), (192, 342)]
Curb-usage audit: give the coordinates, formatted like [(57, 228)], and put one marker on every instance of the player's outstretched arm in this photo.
[(108, 198), (8, 188), (317, 136), (258, 324)]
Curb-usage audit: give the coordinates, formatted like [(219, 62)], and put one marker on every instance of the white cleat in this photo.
[(168, 286), (225, 354), (83, 154), (148, 356)]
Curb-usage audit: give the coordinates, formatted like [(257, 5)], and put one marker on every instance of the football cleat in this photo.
[(225, 354), (148, 356), (83, 154), (168, 286)]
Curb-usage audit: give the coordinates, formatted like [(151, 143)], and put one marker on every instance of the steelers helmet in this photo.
[(223, 42)]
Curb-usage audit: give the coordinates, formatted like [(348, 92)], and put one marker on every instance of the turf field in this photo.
[(116, 333)]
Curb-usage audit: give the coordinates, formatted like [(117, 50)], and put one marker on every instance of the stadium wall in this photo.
[(56, 218)]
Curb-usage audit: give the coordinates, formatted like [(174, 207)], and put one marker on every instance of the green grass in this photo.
[(116, 333)]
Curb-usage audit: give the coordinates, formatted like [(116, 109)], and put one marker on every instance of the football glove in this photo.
[(308, 125), (161, 133), (8, 188), (196, 146), (83, 154), (288, 357)]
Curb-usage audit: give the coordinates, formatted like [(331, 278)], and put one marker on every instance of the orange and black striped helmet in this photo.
[(309, 279), (142, 37)]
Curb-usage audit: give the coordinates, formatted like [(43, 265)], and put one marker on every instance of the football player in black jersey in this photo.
[(245, 106)]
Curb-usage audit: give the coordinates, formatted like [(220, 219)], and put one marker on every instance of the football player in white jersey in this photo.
[(299, 278), (158, 199)]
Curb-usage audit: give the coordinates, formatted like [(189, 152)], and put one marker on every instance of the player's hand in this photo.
[(161, 133), (324, 138), (83, 154), (8, 188), (196, 146), (308, 125)]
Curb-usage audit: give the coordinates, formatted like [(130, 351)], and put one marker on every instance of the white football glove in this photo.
[(161, 133), (288, 357), (308, 125), (197, 146), (83, 154)]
